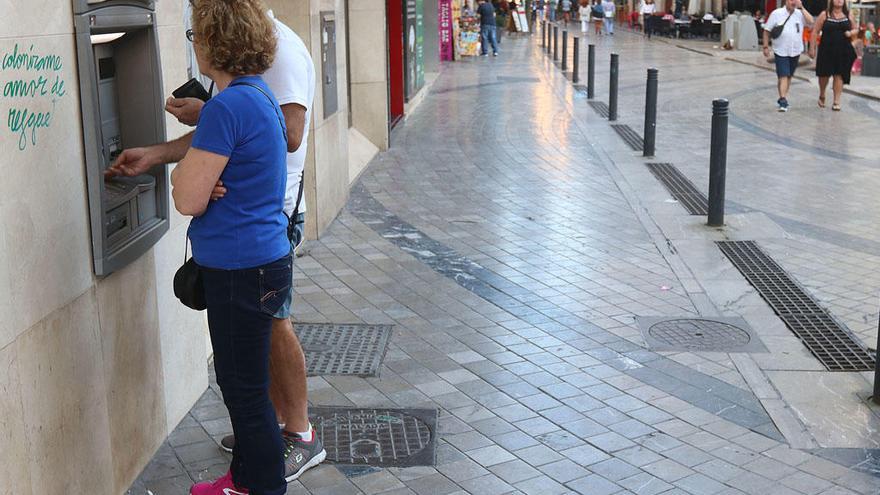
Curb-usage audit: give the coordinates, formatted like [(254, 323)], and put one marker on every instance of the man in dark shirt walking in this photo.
[(488, 27)]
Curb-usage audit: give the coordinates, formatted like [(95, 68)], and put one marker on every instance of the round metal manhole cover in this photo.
[(373, 437), (700, 335)]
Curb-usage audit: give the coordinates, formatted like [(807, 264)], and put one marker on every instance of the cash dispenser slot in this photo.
[(122, 107)]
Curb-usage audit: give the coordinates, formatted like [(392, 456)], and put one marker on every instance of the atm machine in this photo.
[(122, 103)]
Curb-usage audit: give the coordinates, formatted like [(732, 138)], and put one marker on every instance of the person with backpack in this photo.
[(785, 26)]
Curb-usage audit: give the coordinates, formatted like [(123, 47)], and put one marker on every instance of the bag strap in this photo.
[(271, 101), (292, 219)]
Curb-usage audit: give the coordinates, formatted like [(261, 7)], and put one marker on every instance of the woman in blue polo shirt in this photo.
[(240, 240)]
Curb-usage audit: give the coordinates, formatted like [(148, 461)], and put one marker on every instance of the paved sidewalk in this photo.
[(511, 239)]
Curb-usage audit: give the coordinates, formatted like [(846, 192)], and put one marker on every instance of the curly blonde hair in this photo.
[(237, 36)]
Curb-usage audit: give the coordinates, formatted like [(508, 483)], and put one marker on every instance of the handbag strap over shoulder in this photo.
[(299, 194)]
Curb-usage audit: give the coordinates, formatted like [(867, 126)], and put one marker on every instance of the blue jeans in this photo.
[(240, 308), (552, 14), (609, 25), (488, 34)]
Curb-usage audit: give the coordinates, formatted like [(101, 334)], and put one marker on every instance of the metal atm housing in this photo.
[(122, 107)]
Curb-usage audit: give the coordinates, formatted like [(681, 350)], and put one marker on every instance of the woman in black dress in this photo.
[(836, 53)]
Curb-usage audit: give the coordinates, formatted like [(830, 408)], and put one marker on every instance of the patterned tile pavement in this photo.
[(511, 263)]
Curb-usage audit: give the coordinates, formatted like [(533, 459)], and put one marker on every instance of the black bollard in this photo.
[(547, 31), (876, 396), (591, 71), (612, 88), (543, 33), (564, 50), (555, 43), (718, 162), (650, 113), (576, 61)]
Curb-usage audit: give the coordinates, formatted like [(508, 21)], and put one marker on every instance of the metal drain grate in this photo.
[(580, 88), (681, 188), (601, 108), (630, 136), (377, 437), (343, 349), (828, 340)]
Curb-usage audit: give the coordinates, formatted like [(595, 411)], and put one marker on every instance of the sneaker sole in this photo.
[(318, 459)]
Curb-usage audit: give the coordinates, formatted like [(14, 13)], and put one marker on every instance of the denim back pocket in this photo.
[(275, 286)]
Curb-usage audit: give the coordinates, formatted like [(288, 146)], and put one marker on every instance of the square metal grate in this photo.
[(828, 340), (601, 108), (629, 136), (343, 349), (377, 437), (681, 188)]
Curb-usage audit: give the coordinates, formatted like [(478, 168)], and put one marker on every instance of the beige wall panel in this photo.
[(369, 107), (64, 399), (132, 367), (368, 58), (14, 470), (182, 332), (43, 205), (170, 12), (29, 17), (331, 173)]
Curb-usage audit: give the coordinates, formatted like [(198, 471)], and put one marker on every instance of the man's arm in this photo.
[(137, 161), (808, 17), (766, 42), (295, 119)]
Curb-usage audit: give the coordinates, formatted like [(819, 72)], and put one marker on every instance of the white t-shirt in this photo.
[(292, 79), (791, 42), (648, 8)]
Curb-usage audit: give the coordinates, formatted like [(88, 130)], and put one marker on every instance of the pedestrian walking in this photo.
[(785, 26), (566, 11), (488, 27), (608, 11), (584, 13), (647, 10), (598, 16), (551, 9), (835, 55)]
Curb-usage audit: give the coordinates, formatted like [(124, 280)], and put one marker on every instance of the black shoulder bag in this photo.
[(189, 287), (777, 30)]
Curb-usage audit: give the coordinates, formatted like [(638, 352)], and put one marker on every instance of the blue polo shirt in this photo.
[(247, 227)]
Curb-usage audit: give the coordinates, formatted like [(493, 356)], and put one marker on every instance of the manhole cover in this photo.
[(699, 334), (377, 437), (343, 349)]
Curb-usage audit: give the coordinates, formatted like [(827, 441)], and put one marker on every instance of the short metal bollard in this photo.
[(565, 52), (876, 397), (555, 43), (591, 71), (612, 88), (718, 162), (543, 33), (576, 61), (650, 113)]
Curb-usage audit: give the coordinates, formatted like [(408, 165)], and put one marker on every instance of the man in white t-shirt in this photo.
[(292, 80), (787, 48)]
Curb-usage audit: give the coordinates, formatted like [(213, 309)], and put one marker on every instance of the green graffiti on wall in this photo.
[(32, 84)]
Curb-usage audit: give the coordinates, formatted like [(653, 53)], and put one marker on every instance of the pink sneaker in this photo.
[(223, 486)]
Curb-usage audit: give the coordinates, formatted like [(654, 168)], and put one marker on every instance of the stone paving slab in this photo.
[(512, 263)]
